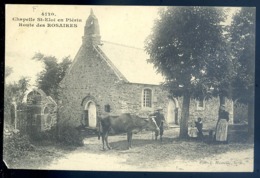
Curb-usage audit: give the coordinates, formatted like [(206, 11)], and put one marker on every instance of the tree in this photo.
[(53, 73), (242, 34), (187, 46), (14, 92)]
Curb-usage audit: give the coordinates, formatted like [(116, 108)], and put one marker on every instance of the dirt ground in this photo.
[(172, 155)]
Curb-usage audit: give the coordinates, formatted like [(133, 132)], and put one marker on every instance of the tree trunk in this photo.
[(251, 118), (185, 116)]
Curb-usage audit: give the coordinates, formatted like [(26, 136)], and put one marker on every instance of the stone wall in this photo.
[(132, 95), (209, 114), (90, 78)]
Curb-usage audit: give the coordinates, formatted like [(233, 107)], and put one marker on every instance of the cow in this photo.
[(125, 123)]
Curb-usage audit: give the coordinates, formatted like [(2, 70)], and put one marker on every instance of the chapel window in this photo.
[(147, 98), (107, 108)]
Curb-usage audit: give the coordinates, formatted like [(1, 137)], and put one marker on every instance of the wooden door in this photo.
[(171, 112), (92, 114)]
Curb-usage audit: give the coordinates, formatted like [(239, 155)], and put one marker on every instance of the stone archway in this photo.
[(172, 112), (90, 111), (46, 110)]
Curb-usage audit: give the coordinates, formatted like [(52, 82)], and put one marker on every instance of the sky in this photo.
[(125, 25), (128, 25)]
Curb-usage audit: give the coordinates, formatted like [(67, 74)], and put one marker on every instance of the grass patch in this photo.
[(186, 150), (20, 152)]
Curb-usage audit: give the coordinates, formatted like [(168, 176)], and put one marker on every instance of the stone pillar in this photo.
[(59, 109), (15, 114)]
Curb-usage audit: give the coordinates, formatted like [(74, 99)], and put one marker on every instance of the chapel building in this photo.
[(111, 78)]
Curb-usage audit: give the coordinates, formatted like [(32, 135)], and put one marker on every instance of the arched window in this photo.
[(147, 98)]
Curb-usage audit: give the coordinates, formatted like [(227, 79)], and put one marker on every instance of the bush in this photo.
[(67, 135), (48, 135), (15, 147), (70, 136)]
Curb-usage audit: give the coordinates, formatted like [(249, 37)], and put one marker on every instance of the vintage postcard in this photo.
[(129, 88)]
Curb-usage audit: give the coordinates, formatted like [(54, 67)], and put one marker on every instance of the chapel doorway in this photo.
[(172, 113), (90, 114)]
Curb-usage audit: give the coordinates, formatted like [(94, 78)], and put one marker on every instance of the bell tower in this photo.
[(91, 31)]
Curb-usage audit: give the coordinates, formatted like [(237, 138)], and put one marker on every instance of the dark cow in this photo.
[(125, 123)]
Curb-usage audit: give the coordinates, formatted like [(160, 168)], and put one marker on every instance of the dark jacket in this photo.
[(199, 126), (158, 118), (223, 114)]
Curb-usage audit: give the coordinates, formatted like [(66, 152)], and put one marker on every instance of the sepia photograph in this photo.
[(129, 88)]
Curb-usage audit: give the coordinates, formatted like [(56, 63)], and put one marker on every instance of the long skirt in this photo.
[(222, 130)]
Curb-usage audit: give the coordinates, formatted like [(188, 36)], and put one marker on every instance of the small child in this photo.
[(199, 126), (193, 131)]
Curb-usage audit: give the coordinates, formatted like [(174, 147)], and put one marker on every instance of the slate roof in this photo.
[(129, 63)]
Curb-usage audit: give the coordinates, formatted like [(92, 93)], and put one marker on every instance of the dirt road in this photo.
[(171, 155)]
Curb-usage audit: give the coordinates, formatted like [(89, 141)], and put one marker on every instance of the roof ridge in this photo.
[(110, 63), (128, 46)]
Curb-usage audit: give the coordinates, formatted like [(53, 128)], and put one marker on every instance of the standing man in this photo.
[(159, 118)]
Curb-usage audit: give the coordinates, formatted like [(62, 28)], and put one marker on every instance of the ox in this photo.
[(125, 123)]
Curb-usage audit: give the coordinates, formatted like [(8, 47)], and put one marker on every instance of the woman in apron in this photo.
[(222, 125)]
